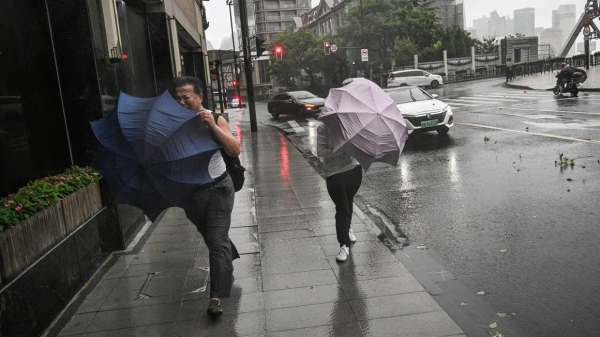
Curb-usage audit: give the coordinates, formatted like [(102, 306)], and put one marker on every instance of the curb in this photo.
[(524, 87)]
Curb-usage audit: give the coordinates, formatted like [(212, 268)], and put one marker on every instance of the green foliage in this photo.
[(563, 161), (399, 29), (487, 46), (41, 194), (302, 54)]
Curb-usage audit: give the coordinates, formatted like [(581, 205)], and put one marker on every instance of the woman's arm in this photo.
[(322, 142)]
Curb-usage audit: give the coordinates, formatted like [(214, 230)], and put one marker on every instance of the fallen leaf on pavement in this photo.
[(503, 250), (481, 293), (503, 315), (360, 274), (569, 179), (463, 303), (493, 325), (422, 247)]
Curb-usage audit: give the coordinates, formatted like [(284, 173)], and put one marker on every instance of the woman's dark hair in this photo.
[(189, 80)]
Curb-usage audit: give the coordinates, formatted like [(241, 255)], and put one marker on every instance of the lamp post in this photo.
[(239, 96), (247, 64)]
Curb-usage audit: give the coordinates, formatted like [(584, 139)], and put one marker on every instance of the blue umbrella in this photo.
[(152, 152)]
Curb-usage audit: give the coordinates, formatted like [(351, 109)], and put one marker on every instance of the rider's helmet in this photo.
[(564, 64)]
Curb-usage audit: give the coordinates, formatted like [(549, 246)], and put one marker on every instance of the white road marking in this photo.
[(559, 111), (297, 128), (589, 141), (491, 99), (462, 104), (512, 96)]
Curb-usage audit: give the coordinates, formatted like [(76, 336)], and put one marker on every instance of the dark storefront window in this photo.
[(33, 140)]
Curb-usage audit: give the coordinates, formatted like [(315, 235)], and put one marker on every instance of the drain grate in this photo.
[(174, 282)]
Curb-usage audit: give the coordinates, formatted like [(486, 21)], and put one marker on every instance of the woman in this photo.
[(344, 176)]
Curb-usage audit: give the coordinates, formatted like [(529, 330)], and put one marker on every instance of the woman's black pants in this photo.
[(342, 187)]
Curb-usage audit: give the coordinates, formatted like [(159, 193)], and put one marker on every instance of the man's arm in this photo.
[(221, 131)]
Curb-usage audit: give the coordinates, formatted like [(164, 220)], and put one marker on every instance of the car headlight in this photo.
[(309, 106), (447, 109)]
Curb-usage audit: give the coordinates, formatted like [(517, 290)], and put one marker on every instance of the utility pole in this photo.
[(235, 72), (248, 64)]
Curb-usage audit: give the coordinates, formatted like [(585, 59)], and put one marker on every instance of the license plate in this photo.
[(429, 123)]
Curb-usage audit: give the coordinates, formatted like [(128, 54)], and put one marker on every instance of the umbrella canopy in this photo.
[(152, 152), (365, 123)]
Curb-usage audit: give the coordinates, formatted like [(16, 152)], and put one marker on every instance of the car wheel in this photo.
[(273, 113), (443, 131), (403, 84), (435, 84)]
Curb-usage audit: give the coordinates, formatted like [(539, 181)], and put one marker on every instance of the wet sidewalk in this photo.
[(547, 81), (287, 282)]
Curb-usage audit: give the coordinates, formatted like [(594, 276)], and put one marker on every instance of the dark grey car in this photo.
[(297, 103)]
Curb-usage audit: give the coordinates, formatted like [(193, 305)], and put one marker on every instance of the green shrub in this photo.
[(42, 193)]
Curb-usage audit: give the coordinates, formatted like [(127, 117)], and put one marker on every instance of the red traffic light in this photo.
[(327, 44), (278, 49), (235, 83)]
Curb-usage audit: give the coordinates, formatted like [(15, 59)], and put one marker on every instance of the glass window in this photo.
[(408, 95), (272, 15), (302, 94)]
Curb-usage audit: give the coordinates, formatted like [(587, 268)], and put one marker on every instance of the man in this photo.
[(211, 204), (564, 75)]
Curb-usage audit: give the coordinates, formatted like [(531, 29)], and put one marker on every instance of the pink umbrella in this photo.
[(365, 123)]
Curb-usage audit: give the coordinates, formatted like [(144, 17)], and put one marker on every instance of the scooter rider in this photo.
[(564, 76)]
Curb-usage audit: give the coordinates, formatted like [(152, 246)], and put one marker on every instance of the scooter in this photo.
[(572, 86)]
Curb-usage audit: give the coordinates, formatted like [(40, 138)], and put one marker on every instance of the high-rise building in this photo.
[(554, 38), (270, 17), (448, 12), (481, 26), (510, 26), (564, 18), (525, 21), (497, 25)]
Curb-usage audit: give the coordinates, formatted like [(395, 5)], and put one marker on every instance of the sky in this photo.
[(218, 13)]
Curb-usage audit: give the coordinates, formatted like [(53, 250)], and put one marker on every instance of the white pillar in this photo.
[(473, 59), (416, 61), (500, 53), (446, 63)]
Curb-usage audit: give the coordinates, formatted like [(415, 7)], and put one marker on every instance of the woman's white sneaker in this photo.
[(343, 254), (352, 236)]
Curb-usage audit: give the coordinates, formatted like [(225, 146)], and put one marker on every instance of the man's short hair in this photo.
[(189, 80)]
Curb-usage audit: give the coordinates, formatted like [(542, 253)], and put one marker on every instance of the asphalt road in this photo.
[(485, 208)]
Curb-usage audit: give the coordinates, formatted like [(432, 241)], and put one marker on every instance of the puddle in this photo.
[(541, 116)]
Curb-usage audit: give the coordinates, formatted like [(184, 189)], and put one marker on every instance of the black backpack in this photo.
[(233, 164)]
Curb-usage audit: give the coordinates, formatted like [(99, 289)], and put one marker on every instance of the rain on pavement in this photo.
[(488, 204)]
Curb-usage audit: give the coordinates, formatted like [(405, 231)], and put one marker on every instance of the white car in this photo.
[(352, 79), (414, 77), (422, 111)]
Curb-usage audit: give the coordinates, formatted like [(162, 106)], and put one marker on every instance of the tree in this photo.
[(487, 46), (333, 65), (302, 55), (404, 51)]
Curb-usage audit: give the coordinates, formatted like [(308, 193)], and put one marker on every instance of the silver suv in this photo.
[(414, 77)]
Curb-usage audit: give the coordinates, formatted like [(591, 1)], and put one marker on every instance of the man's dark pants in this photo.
[(211, 214), (342, 187)]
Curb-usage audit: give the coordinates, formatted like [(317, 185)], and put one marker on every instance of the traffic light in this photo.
[(235, 83), (327, 48), (278, 53), (259, 46)]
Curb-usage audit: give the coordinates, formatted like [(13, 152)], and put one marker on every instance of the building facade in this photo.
[(553, 37), (274, 16), (481, 26), (62, 66), (448, 12), (519, 49), (565, 18), (525, 21)]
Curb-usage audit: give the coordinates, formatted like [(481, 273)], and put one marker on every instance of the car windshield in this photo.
[(408, 95), (302, 94)]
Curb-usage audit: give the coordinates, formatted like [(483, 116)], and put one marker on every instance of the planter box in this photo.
[(23, 244), (81, 206)]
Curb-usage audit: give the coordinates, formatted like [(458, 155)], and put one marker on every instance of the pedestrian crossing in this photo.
[(496, 98)]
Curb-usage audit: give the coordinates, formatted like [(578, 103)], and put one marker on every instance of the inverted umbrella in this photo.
[(152, 152), (365, 123)]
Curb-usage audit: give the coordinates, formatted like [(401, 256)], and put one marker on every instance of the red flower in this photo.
[(19, 208)]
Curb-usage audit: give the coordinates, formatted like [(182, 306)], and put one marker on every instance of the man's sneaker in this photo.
[(352, 236), (343, 254), (214, 308)]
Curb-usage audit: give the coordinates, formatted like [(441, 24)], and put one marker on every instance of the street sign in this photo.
[(364, 54), (586, 31), (334, 47)]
